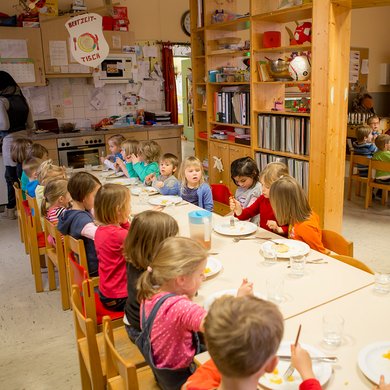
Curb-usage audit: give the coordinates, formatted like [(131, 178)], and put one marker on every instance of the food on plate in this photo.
[(207, 270), (281, 248), (386, 355), (276, 379)]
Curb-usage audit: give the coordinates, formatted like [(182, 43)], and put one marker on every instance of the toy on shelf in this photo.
[(302, 33)]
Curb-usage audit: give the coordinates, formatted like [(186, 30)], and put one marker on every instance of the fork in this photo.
[(237, 239), (291, 368)]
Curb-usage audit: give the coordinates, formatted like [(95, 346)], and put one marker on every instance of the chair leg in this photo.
[(51, 275), (368, 199), (358, 188), (84, 375), (36, 264), (63, 286), (349, 188)]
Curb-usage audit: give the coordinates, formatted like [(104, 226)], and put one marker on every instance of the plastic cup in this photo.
[(382, 283), (333, 327), (297, 265)]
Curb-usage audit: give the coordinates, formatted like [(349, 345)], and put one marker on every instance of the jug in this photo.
[(200, 227)]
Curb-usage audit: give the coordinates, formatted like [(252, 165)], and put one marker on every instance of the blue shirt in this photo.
[(31, 186)]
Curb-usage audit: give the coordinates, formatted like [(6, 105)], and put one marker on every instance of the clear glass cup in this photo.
[(275, 290), (88, 167), (69, 172), (382, 283), (270, 256), (297, 265), (143, 197), (333, 328)]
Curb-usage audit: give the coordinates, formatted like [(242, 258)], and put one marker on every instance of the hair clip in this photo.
[(149, 269)]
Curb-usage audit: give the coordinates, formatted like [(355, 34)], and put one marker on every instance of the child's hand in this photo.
[(149, 178), (134, 159), (246, 288), (102, 159), (119, 162), (127, 158), (301, 361), (274, 226), (160, 184), (235, 205), (382, 385)]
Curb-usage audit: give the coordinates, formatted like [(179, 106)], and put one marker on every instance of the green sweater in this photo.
[(382, 155), (142, 170)]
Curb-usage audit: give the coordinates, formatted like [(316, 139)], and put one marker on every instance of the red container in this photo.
[(203, 134), (108, 23), (271, 39)]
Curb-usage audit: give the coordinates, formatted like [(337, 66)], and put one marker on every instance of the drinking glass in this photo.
[(270, 256), (333, 327), (143, 197), (275, 290), (69, 172), (297, 265), (382, 283), (88, 167)]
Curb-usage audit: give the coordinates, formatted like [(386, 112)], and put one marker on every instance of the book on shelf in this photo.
[(232, 107), (262, 70), (199, 22), (284, 133), (297, 168)]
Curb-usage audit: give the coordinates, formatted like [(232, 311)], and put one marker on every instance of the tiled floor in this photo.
[(37, 344)]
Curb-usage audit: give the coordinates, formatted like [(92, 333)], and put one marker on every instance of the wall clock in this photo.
[(186, 23)]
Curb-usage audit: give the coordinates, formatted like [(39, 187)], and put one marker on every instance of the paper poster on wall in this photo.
[(22, 70), (58, 53), (88, 45), (13, 48)]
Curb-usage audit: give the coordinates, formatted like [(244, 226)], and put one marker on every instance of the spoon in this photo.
[(237, 239)]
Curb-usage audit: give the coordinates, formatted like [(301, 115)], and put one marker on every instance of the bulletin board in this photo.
[(358, 69)]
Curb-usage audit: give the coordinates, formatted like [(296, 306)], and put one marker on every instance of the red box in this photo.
[(119, 12), (271, 39), (203, 134), (108, 22)]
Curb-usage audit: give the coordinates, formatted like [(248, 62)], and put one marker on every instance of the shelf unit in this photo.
[(327, 86)]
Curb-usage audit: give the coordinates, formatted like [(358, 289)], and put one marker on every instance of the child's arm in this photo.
[(170, 186), (149, 179), (89, 230), (247, 212), (122, 166), (382, 385), (246, 288), (273, 225), (208, 203), (144, 170)]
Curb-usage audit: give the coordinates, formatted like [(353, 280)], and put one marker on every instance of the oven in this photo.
[(78, 151)]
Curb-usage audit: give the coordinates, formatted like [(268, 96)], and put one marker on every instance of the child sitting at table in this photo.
[(30, 167), (291, 207), (382, 142), (374, 122), (169, 319), (194, 189), (262, 206), (242, 336), (128, 148), (148, 230), (114, 145), (112, 211), (146, 161), (364, 146), (19, 153), (166, 182), (78, 221)]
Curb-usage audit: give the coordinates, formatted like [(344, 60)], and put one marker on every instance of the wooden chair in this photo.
[(90, 347), (337, 243), (123, 374), (36, 239), (353, 262), (92, 305), (221, 195), (56, 258), (374, 166), (354, 160), (20, 215)]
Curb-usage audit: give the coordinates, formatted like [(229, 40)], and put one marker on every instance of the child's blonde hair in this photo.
[(272, 172), (110, 203), (171, 158), (19, 149), (81, 184), (130, 147), (362, 132), (148, 230), (117, 139), (242, 333), (381, 141), (189, 162), (48, 171), (175, 256), (31, 166), (150, 150), (37, 150), (289, 201), (53, 191)]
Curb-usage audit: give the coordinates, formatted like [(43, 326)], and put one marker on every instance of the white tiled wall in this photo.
[(73, 95)]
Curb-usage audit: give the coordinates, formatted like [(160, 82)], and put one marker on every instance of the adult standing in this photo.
[(15, 116)]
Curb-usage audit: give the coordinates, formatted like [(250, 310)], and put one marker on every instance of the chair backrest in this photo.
[(337, 243), (86, 335), (21, 214), (353, 262), (357, 159), (115, 364), (377, 165), (72, 245), (221, 193), (36, 213), (53, 249)]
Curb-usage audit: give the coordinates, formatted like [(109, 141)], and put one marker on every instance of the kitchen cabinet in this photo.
[(32, 37), (51, 146), (168, 138)]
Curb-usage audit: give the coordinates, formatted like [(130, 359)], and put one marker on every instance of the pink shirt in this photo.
[(109, 241), (171, 335)]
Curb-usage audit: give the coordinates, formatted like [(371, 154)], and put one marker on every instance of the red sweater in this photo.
[(261, 206), (207, 377), (109, 241)]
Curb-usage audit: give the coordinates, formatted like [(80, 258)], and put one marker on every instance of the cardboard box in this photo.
[(31, 24)]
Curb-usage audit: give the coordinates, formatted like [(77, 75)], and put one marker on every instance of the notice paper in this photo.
[(13, 48), (22, 70), (58, 53)]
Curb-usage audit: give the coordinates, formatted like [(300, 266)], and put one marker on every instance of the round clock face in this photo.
[(186, 23)]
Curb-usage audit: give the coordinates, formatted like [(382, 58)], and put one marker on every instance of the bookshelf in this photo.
[(310, 141)]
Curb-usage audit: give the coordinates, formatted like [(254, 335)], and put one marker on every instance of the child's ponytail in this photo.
[(44, 207), (146, 286), (52, 192)]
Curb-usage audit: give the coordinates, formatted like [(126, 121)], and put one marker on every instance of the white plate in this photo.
[(124, 181), (164, 200), (322, 371), (373, 364), (241, 228), (213, 266), (97, 167), (115, 174), (211, 298), (295, 247), (138, 190)]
